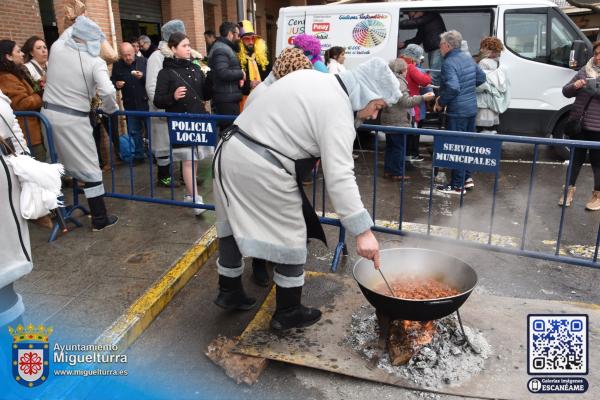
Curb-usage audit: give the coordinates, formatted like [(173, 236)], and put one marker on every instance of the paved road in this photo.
[(170, 353), (168, 360)]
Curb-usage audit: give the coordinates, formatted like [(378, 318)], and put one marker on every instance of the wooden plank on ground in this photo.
[(238, 367)]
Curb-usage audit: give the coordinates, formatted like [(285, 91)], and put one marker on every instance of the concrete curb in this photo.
[(134, 321)]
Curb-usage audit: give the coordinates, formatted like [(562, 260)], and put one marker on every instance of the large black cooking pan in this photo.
[(399, 263)]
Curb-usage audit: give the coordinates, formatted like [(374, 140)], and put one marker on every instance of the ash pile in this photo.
[(447, 360)]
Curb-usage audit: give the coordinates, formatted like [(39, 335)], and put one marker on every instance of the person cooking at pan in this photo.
[(262, 210)]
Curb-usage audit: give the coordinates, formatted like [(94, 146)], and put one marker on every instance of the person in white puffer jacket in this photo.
[(15, 246), (493, 96)]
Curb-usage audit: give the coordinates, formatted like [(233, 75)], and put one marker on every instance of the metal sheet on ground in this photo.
[(502, 320)]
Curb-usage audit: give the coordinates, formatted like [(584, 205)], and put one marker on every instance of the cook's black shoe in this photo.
[(232, 295), (290, 313)]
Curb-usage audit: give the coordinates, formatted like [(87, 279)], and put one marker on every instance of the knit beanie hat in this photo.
[(369, 81), (291, 59), (413, 51), (87, 30), (174, 25)]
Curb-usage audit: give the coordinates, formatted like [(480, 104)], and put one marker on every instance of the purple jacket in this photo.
[(592, 117)]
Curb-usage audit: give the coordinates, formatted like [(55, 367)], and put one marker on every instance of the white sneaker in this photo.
[(197, 211), (469, 184), (448, 189)]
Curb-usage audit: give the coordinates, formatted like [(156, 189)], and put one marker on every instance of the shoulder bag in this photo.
[(574, 126)]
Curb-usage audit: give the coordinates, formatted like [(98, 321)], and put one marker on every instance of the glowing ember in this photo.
[(407, 337), (418, 333)]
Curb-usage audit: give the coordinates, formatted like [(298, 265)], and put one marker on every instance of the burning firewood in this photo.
[(406, 338)]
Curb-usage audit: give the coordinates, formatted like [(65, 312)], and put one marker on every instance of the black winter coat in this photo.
[(591, 122), (226, 72), (134, 91), (429, 27), (178, 72), (148, 53)]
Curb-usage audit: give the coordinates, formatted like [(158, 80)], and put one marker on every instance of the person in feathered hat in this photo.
[(254, 58)]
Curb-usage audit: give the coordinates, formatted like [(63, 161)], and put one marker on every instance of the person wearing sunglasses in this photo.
[(253, 57)]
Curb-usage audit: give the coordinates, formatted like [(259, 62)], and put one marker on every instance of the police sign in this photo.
[(471, 154), (192, 131)]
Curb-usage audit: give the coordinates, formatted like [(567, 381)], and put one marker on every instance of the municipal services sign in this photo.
[(466, 153), (192, 131)]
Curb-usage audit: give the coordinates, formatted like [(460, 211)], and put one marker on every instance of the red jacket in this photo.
[(415, 79)]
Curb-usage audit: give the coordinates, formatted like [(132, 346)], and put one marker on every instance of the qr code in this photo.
[(557, 344)]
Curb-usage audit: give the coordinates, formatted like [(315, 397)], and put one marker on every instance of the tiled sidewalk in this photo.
[(82, 282)]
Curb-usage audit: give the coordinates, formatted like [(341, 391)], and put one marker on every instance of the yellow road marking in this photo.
[(134, 321)]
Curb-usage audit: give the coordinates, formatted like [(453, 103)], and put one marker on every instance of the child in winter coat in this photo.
[(180, 88), (399, 115)]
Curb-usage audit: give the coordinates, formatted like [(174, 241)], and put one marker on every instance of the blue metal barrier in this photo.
[(64, 213), (152, 195), (536, 142), (341, 249)]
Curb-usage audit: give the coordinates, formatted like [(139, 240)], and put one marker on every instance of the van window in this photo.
[(561, 38), (473, 25), (525, 35)]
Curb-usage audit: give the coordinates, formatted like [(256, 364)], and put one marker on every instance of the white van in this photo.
[(538, 37)]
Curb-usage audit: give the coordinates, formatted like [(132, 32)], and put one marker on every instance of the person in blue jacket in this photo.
[(460, 75)]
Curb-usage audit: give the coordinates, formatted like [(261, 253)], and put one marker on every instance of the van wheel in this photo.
[(562, 152)]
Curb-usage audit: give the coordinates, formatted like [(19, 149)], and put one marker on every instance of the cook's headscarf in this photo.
[(89, 32), (369, 81), (291, 59)]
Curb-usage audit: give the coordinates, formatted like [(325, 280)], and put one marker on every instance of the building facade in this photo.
[(125, 19)]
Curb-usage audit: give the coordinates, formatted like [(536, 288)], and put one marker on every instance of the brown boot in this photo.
[(594, 203), (44, 222), (570, 195)]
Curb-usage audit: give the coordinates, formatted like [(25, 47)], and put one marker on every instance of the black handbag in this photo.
[(93, 115), (574, 126)]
